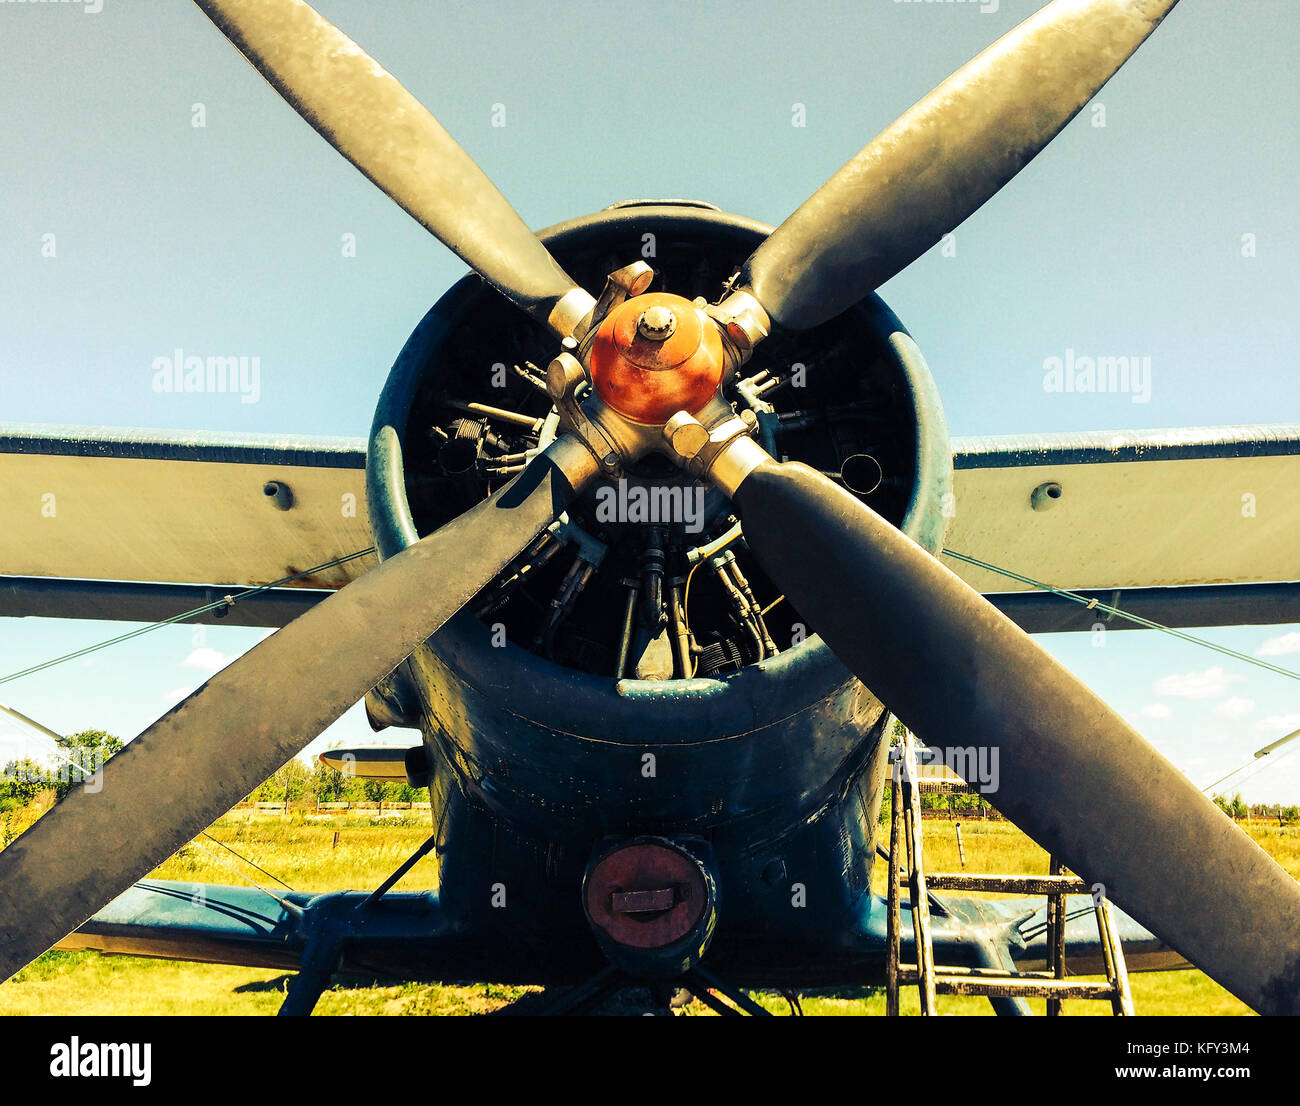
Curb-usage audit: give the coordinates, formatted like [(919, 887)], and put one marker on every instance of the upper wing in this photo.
[(1194, 527), (92, 516)]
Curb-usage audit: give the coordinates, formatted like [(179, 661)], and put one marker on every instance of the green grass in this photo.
[(304, 854)]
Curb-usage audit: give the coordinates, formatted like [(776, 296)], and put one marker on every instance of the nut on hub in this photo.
[(656, 323)]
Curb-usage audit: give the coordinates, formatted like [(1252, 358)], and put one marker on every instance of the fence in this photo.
[(360, 806)]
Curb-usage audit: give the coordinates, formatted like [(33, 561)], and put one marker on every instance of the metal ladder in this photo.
[(905, 836)]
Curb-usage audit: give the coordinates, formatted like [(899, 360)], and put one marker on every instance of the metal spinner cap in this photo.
[(655, 355)]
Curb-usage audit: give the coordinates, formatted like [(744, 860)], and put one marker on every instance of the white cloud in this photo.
[(1278, 725), (207, 659), (1279, 646), (1211, 684), (1155, 710), (1234, 708)]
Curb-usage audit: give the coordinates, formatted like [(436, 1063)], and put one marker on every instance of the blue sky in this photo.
[(1127, 238)]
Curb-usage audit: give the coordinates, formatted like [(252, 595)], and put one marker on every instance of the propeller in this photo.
[(1073, 774), (942, 159), (363, 112), (207, 753)]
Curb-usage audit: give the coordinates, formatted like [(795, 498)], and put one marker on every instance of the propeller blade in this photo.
[(1071, 772), (364, 113), (205, 755), (943, 158)]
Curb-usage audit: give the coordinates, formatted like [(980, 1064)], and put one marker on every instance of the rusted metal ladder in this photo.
[(905, 837)]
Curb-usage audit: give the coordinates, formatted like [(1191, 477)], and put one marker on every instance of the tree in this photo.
[(328, 785), (80, 756), (405, 793), (1234, 808), (288, 783), (376, 791), (88, 751), (21, 781)]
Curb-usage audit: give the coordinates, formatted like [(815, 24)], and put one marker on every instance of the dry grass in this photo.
[(303, 853)]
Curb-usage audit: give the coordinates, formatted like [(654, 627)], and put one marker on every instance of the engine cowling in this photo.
[(627, 631)]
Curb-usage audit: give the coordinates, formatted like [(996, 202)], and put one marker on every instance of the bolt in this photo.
[(685, 434), (656, 324)]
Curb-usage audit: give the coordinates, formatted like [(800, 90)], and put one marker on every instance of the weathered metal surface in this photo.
[(1074, 775), (1055, 936), (188, 507), (978, 973), (916, 880), (1031, 948), (1238, 604), (1144, 515), (1022, 988), (652, 904), (894, 930), (122, 505), (1016, 885), (138, 817), (374, 763), (1116, 972), (646, 895), (419, 936), (109, 600), (991, 983)]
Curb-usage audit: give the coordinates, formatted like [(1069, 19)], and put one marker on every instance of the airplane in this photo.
[(631, 777)]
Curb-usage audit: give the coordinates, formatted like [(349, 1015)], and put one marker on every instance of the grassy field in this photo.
[(307, 855)]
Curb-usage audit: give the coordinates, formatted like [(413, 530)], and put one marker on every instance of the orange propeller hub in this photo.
[(655, 355)]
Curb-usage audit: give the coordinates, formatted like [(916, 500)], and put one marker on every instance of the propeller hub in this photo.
[(655, 355)]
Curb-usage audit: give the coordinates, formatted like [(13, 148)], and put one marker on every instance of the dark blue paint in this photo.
[(779, 766)]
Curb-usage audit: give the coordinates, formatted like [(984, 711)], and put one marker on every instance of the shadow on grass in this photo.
[(337, 983)]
